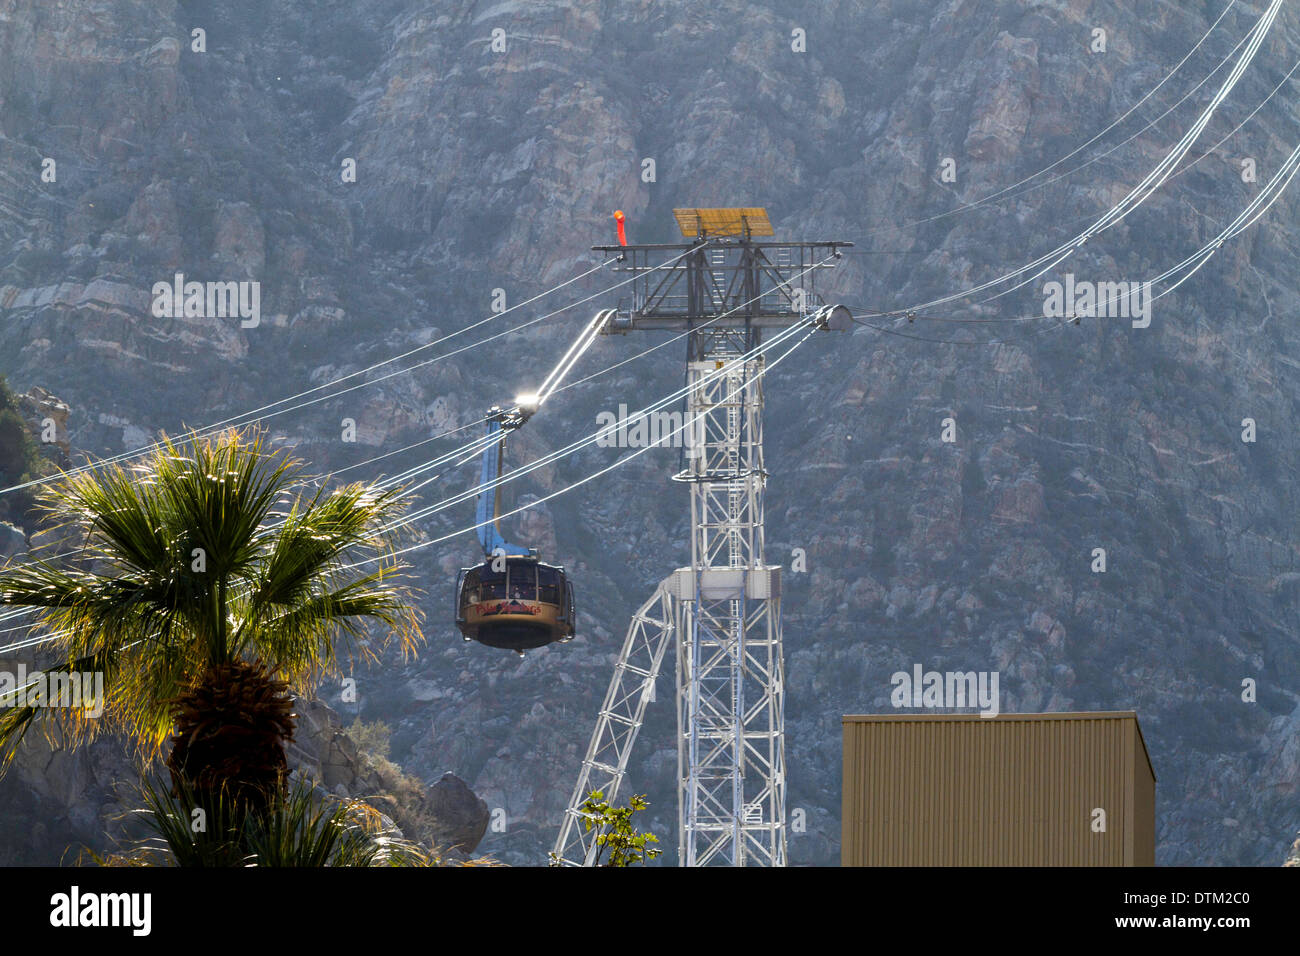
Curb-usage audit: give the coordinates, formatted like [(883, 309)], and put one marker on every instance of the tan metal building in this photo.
[(1011, 790)]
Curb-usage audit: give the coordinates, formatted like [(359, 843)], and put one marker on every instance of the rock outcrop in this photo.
[(446, 815), (47, 417)]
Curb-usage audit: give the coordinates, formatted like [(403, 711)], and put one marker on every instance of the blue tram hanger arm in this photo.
[(500, 422)]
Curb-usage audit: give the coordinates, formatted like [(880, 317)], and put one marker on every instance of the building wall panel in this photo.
[(1011, 790)]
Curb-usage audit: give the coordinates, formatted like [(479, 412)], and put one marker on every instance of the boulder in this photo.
[(461, 815)]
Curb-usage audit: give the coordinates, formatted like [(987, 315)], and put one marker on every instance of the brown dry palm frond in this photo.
[(207, 552)]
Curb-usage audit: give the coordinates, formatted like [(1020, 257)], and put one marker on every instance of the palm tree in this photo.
[(211, 578)]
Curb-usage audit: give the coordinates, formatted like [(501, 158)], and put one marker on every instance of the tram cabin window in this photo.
[(523, 582), (469, 588), (492, 584), (548, 585)]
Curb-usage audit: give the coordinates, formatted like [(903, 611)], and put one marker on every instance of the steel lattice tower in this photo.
[(731, 767), (723, 612)]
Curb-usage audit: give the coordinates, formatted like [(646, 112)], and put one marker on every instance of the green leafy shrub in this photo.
[(615, 834), (372, 737)]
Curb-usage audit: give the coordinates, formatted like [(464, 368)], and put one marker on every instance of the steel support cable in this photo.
[(475, 443), (1251, 214), (576, 351), (953, 317), (1116, 214), (469, 448), (1101, 156), (232, 420), (1157, 177), (443, 356), (759, 350), (992, 197), (548, 387), (481, 440), (553, 386), (1114, 218), (19, 612), (427, 362), (666, 342), (255, 414), (631, 358), (1248, 217), (397, 451), (32, 683), (570, 449), (1101, 225), (785, 334), (474, 446), (43, 639), (1245, 220), (32, 641), (1140, 193), (487, 442), (944, 317), (1274, 189)]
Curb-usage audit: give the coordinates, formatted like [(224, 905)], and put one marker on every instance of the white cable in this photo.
[(758, 350), (63, 555), (994, 196), (1188, 168), (475, 443), (570, 449), (589, 332), (474, 446), (254, 415), (571, 357), (577, 445), (606, 469), (1251, 214), (1140, 193)]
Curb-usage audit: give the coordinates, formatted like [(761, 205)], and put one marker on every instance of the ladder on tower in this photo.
[(717, 269)]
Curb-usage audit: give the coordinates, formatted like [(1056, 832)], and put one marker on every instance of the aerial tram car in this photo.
[(513, 600)]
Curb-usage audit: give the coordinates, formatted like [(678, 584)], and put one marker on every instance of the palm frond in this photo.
[(293, 643), (201, 555)]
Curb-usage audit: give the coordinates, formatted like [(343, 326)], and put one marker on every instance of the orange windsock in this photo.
[(622, 233)]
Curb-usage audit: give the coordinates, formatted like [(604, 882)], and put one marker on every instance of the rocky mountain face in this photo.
[(480, 168)]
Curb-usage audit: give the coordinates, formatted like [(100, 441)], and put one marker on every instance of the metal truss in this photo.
[(724, 611), (730, 686), (730, 283), (630, 690)]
